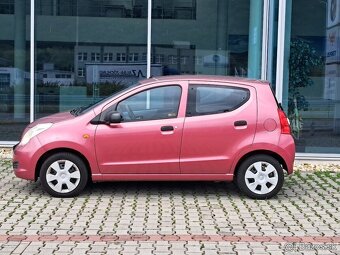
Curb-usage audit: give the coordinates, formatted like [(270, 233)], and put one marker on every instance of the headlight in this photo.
[(34, 131)]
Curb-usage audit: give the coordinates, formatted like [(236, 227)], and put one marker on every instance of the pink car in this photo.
[(178, 128)]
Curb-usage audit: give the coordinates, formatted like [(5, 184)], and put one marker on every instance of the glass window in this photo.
[(144, 57), (89, 55), (165, 9), (311, 86), (5, 79), (205, 100), (95, 57), (216, 37), (82, 56), (7, 7), (153, 104), (108, 57), (81, 72), (184, 60), (14, 69), (90, 8), (159, 58), (133, 57), (121, 57), (172, 59)]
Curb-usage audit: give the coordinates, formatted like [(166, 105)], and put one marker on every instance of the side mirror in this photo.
[(113, 117)]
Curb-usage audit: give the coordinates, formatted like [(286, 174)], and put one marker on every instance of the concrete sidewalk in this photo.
[(171, 218)]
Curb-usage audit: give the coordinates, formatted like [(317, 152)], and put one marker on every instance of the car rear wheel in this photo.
[(260, 177), (63, 175)]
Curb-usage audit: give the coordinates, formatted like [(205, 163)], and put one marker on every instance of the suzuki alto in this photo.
[(171, 128)]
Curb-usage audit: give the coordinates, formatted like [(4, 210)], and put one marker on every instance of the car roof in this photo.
[(205, 78)]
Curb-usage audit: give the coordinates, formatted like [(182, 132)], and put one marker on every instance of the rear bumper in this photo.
[(25, 159), (287, 145)]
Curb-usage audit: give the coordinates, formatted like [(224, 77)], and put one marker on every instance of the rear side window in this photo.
[(204, 99)]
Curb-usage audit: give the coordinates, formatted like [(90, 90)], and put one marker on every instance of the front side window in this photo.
[(152, 104), (209, 99)]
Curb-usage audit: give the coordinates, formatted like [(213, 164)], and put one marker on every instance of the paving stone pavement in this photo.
[(171, 218)]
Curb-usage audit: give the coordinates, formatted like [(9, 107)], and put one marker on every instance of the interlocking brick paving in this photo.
[(171, 218)]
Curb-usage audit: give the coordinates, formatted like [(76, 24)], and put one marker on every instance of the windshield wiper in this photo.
[(77, 111)]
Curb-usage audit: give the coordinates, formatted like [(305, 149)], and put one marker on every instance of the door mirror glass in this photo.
[(113, 117)]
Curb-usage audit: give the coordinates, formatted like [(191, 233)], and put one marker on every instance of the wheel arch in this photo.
[(260, 152), (57, 150)]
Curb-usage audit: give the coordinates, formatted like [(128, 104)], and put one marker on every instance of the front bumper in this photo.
[(25, 159)]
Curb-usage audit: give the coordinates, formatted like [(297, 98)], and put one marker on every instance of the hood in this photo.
[(54, 118)]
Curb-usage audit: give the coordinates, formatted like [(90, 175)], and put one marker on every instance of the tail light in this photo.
[(285, 127)]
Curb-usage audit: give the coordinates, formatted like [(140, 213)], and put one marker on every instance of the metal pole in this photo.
[(280, 49), (32, 68), (265, 26), (148, 64)]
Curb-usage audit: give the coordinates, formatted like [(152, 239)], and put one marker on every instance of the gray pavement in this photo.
[(171, 218)]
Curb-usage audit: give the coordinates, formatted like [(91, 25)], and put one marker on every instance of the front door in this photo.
[(148, 139)]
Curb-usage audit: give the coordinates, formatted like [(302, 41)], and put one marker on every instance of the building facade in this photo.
[(59, 54)]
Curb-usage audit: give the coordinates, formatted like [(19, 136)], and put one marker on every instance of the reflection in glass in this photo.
[(220, 37), (93, 8), (314, 77), (79, 61), (152, 104), (14, 70)]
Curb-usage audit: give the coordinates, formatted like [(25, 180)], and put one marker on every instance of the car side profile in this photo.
[(171, 128)]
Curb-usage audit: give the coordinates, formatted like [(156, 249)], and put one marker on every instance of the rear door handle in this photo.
[(240, 123), (167, 128)]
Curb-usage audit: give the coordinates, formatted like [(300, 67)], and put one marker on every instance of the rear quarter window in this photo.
[(210, 99)]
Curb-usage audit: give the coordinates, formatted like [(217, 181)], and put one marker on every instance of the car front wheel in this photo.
[(63, 175), (260, 177)]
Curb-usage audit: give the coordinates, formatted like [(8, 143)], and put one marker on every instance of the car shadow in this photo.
[(162, 188)]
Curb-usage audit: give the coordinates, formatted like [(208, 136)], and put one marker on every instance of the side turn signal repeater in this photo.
[(86, 136)]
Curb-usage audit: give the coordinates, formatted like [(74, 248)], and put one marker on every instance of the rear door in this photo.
[(220, 119)]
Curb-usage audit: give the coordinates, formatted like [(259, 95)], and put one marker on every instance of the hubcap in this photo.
[(63, 176), (261, 177)]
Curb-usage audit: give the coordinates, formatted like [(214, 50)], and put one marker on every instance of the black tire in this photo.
[(72, 180), (263, 184)]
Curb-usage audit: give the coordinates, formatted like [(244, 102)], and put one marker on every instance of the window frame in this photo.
[(121, 57), (82, 56), (95, 56), (81, 72), (191, 100)]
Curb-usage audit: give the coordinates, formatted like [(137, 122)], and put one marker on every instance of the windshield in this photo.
[(83, 109)]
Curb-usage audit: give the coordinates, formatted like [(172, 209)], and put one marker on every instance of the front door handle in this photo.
[(167, 128), (240, 123)]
